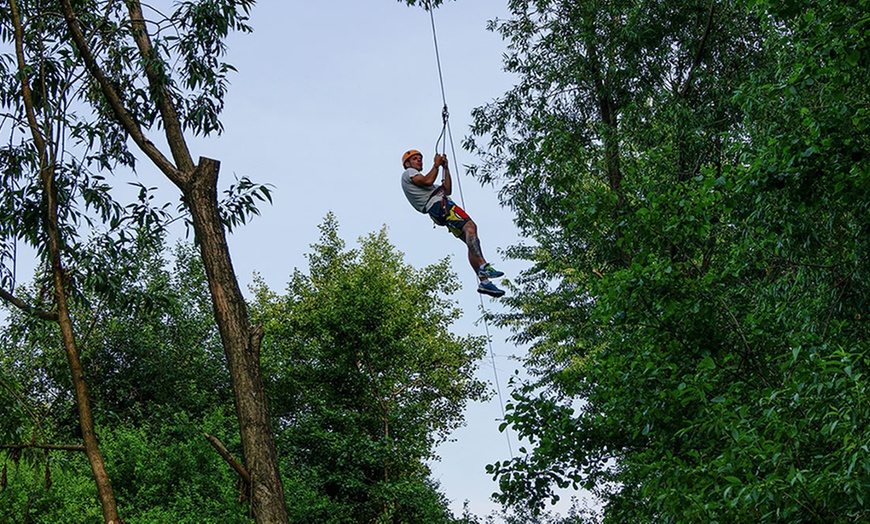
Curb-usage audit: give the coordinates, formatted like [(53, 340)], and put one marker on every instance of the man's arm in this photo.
[(429, 178), (447, 185)]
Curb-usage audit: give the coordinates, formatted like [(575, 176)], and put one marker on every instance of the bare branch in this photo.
[(27, 308), (222, 451), (124, 117)]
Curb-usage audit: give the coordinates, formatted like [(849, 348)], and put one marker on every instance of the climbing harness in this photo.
[(447, 136)]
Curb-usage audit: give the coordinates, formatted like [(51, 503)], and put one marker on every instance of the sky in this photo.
[(327, 97)]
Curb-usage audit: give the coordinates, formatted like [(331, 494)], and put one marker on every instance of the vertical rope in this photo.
[(495, 375), (447, 135), (437, 53), (14, 236), (445, 114)]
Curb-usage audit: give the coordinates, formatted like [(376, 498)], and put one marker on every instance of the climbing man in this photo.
[(427, 197)]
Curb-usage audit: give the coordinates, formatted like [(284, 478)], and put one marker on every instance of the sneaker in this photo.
[(488, 288), (488, 271)]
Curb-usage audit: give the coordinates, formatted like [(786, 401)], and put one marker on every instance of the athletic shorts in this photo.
[(454, 218)]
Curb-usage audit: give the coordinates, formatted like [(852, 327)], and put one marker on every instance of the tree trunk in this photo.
[(47, 177), (241, 344), (83, 403)]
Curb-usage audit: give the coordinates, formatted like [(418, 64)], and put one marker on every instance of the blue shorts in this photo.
[(447, 213)]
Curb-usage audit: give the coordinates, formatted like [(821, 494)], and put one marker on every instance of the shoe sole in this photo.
[(495, 294), (491, 275)]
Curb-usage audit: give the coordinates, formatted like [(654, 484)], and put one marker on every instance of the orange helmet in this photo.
[(408, 154)]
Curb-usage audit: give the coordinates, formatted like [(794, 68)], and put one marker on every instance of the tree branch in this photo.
[(26, 93), (703, 44), (171, 122), (222, 451), (124, 117), (56, 447), (27, 308)]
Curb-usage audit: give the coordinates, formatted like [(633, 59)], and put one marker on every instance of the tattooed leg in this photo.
[(475, 253)]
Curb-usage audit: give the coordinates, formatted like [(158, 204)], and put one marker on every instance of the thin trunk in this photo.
[(47, 176), (83, 403), (608, 116), (613, 166)]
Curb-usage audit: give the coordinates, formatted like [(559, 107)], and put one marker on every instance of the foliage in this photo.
[(82, 152), (694, 177), (158, 383), (167, 473), (425, 4), (93, 78), (363, 339), (81, 127), (365, 379)]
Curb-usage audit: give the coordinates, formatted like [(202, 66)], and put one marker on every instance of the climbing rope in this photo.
[(447, 136), (445, 118), (445, 113)]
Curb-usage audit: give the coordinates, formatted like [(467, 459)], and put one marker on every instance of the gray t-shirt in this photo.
[(421, 197)]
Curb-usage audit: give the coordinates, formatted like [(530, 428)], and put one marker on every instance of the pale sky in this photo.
[(327, 97)]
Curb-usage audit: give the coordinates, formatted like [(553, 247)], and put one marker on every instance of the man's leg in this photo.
[(465, 229), (478, 263), (475, 253)]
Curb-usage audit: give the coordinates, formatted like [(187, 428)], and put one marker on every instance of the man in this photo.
[(427, 197)]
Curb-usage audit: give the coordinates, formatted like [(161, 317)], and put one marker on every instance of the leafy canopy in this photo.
[(366, 378), (693, 177)]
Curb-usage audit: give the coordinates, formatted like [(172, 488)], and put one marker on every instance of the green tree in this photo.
[(365, 380), (183, 89), (135, 78), (694, 178), (157, 382), (47, 193)]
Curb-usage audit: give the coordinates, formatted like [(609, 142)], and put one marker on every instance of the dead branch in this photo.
[(222, 451)]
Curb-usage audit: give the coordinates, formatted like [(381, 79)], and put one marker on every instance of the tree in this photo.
[(692, 177), (41, 183), (189, 98), (142, 77), (137, 78), (157, 382), (365, 379)]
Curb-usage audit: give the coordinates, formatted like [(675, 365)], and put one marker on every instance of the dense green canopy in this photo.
[(693, 181), (694, 176), (363, 374)]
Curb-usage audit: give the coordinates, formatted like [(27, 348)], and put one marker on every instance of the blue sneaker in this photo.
[(488, 288), (488, 271)]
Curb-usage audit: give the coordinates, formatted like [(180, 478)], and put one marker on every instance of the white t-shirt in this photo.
[(420, 197)]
